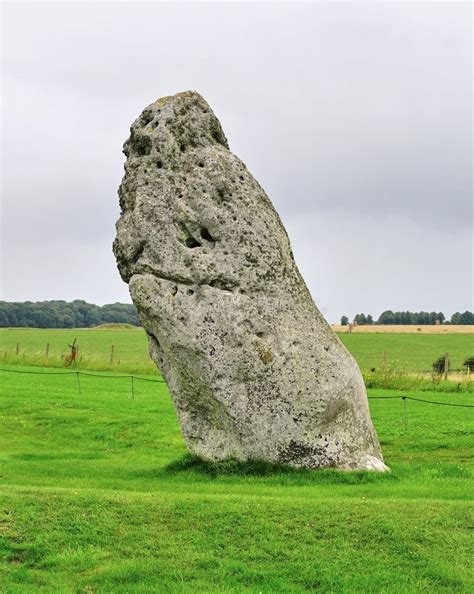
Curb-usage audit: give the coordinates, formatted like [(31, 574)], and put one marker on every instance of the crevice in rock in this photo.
[(191, 242), (217, 283), (187, 237), (175, 278), (206, 235), (146, 117), (138, 251)]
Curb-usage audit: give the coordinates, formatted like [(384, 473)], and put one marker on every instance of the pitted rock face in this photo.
[(254, 370)]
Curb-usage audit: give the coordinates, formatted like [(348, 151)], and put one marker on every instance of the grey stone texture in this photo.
[(254, 370)]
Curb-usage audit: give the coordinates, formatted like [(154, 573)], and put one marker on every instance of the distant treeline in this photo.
[(407, 318), (63, 314)]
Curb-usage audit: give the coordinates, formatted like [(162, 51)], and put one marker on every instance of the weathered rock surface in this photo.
[(254, 370)]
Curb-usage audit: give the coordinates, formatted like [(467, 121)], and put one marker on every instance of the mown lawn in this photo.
[(98, 495), (409, 352)]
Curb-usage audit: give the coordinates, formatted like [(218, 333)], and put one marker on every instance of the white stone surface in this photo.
[(254, 370)]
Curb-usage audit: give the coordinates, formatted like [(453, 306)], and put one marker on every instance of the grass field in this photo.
[(410, 352), (99, 496)]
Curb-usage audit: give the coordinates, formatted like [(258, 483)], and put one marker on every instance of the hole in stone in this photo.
[(174, 290), (190, 292), (146, 117), (260, 334), (159, 164), (182, 147), (218, 284), (206, 235), (201, 164), (192, 243), (241, 177), (180, 195)]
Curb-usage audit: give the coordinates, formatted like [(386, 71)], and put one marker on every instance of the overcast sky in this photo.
[(356, 118)]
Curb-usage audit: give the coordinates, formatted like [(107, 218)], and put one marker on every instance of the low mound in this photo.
[(115, 326)]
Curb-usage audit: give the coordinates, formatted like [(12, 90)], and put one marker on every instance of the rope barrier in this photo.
[(162, 381), (420, 400), (39, 372), (85, 373), (440, 403)]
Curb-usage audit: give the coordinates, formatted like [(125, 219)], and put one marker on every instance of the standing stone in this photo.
[(254, 370)]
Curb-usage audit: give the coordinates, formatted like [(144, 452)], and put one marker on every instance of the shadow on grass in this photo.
[(281, 472)]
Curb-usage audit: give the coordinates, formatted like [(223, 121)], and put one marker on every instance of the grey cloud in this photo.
[(355, 117)]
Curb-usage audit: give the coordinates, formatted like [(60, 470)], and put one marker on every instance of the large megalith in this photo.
[(254, 370)]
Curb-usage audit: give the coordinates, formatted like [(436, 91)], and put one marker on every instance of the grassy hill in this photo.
[(98, 495)]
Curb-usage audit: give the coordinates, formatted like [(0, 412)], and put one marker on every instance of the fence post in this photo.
[(47, 350), (17, 348), (112, 349), (446, 365), (384, 358), (405, 413), (133, 389), (78, 383)]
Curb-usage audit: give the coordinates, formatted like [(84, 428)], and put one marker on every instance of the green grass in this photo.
[(98, 495), (410, 352), (407, 352), (130, 348)]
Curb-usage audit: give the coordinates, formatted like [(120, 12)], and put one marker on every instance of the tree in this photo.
[(387, 317), (360, 319), (344, 320), (466, 318), (61, 314)]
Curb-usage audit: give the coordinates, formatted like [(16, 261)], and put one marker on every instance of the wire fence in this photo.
[(132, 379)]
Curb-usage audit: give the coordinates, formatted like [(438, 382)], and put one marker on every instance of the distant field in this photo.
[(127, 341), (98, 496), (410, 352), (130, 347), (375, 329)]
